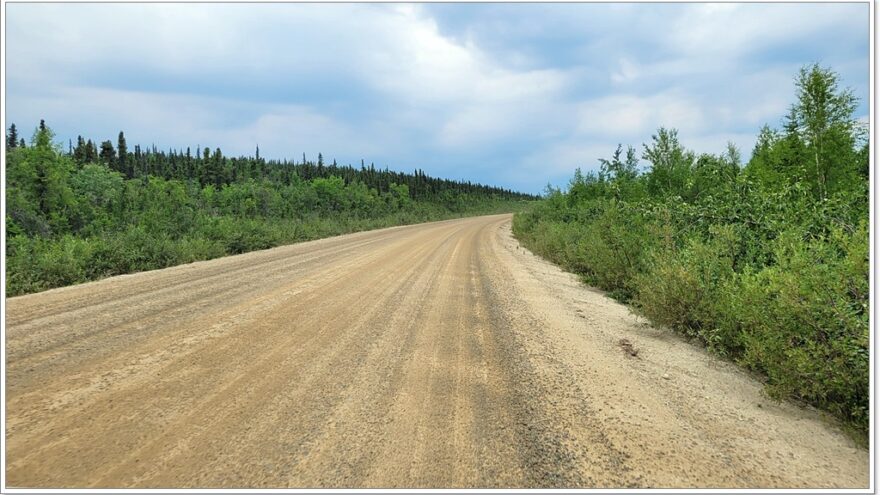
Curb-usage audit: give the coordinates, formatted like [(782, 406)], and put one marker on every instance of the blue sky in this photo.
[(516, 95)]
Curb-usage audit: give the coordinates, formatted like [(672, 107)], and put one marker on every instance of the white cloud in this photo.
[(469, 96), (733, 30), (631, 115), (626, 72), (540, 88), (560, 159), (175, 120)]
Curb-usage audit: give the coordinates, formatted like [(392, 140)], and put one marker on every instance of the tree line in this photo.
[(93, 211), (764, 262), (213, 167)]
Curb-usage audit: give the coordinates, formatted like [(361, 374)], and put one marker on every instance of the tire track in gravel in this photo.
[(433, 355)]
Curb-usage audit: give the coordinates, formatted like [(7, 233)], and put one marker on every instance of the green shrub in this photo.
[(804, 321), (686, 289)]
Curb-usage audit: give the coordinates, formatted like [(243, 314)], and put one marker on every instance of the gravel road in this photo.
[(434, 355)]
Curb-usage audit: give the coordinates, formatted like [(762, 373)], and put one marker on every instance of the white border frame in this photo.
[(873, 297)]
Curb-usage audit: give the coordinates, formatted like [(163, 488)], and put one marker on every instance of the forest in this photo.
[(98, 210), (765, 263)]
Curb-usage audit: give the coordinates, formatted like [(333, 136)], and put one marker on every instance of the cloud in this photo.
[(281, 131), (562, 158), (471, 98), (627, 72), (514, 94), (631, 115), (732, 31)]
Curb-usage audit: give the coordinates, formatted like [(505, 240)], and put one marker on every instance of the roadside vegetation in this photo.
[(100, 210), (765, 263)]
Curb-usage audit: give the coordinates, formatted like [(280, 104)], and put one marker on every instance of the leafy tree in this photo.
[(43, 137), (98, 191), (767, 264), (732, 156), (617, 169), (823, 117), (670, 163)]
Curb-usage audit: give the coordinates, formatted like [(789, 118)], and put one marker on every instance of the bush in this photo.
[(804, 322), (686, 289), (608, 248)]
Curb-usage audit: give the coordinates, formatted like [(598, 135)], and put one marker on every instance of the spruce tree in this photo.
[(122, 150), (79, 153), (216, 175), (12, 137), (107, 153)]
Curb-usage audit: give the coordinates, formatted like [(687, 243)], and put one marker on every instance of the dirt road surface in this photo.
[(435, 355)]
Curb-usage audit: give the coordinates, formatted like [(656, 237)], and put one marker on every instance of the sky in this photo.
[(515, 95)]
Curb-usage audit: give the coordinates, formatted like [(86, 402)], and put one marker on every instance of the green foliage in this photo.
[(12, 137), (682, 288), (824, 118), (670, 164), (804, 321), (766, 264), (87, 215)]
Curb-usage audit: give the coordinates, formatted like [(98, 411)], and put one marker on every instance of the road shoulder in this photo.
[(670, 416)]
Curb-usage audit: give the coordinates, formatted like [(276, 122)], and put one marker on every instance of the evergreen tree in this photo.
[(12, 137), (122, 150), (217, 168), (91, 154), (108, 154), (79, 152)]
